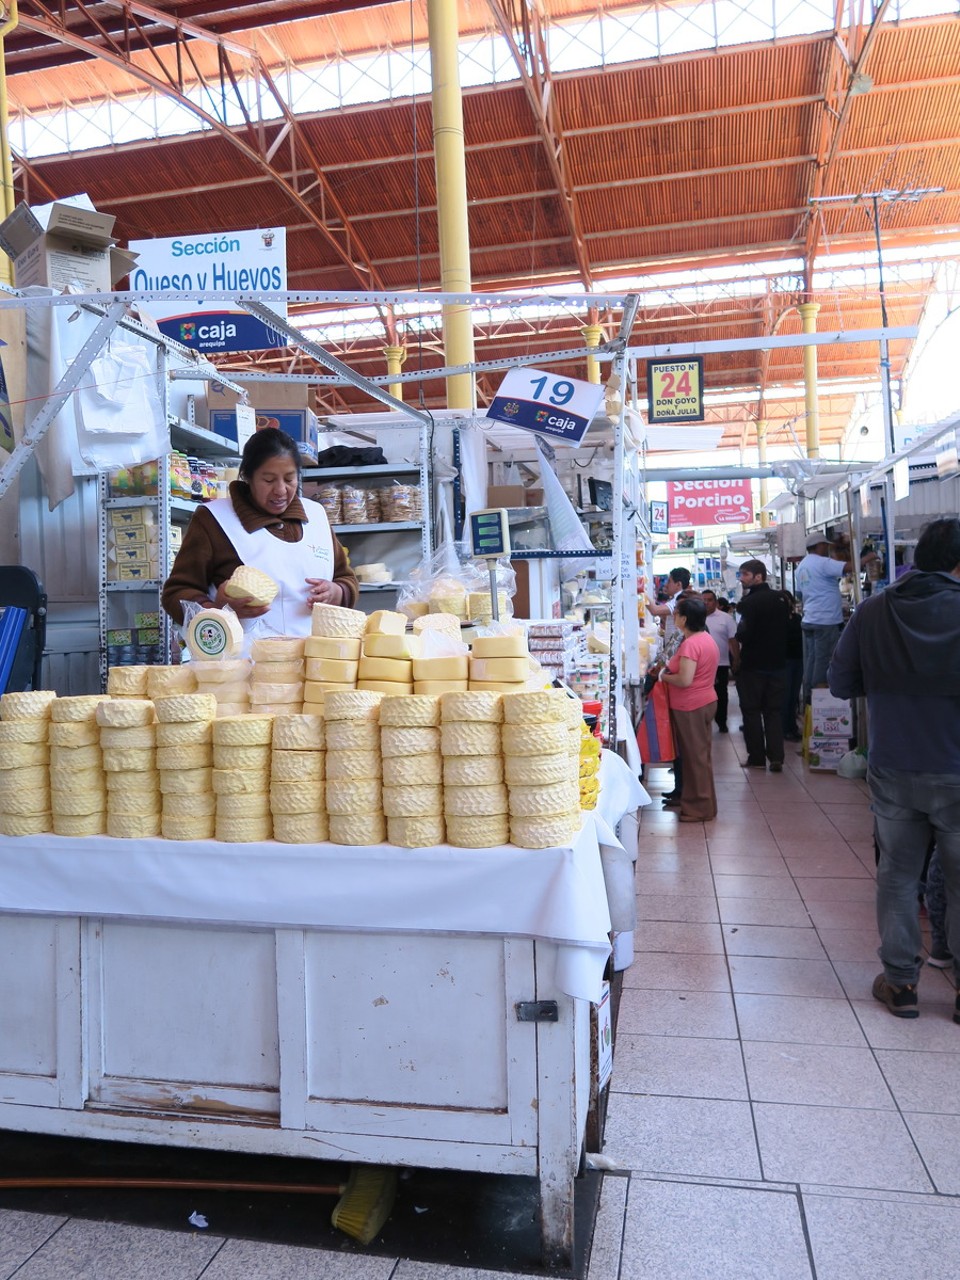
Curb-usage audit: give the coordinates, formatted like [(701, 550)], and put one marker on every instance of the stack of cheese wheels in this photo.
[(25, 789), (499, 663), (128, 748), (354, 769), (386, 658), (332, 653), (276, 686), (541, 771), (297, 800), (474, 796), (241, 777), (78, 782), (165, 682), (185, 763), (128, 682), (227, 680), (412, 770), (438, 675)]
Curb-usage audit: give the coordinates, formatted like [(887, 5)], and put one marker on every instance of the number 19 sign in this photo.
[(675, 390), (561, 408)]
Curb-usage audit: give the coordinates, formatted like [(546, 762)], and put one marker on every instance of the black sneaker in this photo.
[(722, 728), (776, 766), (940, 958), (956, 1008), (901, 1001)]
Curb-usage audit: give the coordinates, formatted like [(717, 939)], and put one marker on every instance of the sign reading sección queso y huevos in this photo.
[(561, 408), (231, 261), (709, 502)]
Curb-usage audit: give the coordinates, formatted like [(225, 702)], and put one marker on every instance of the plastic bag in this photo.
[(852, 765)]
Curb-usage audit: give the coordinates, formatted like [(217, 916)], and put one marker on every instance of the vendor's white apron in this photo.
[(288, 563)]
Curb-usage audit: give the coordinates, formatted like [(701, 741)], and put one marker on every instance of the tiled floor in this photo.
[(768, 1119)]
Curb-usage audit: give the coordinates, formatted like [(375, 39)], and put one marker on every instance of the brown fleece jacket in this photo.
[(207, 556)]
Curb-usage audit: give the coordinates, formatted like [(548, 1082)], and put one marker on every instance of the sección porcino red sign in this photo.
[(709, 502)]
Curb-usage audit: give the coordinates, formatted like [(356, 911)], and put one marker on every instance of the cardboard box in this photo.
[(262, 395), (64, 245), (506, 495), (119, 637), (824, 754), (830, 717), (299, 423), (131, 517), (150, 618)]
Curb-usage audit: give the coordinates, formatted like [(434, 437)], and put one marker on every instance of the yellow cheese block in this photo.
[(231, 691), (352, 735), (478, 832), (68, 804), (439, 621), (187, 828), (129, 759), (386, 670), (277, 649), (332, 670), (35, 732), (146, 780), (300, 828), (437, 687), (534, 739), (243, 830), (339, 649), (391, 646), (500, 647), (473, 706), (278, 672), (86, 824), (32, 704), (297, 797), (144, 736), (544, 833), (543, 801), (409, 742), (539, 770), (133, 802), (298, 733), (125, 713), (76, 757), (243, 731), (85, 734), (416, 832), (195, 757), (385, 686), (357, 828), (19, 755), (297, 766), (251, 804), (410, 711), (466, 738), (482, 802), (542, 707), (495, 686), (277, 695), (164, 682), (410, 771), (186, 706), (317, 691), (252, 585), (204, 806), (240, 756), (127, 682), (25, 803), (354, 796), (72, 710), (353, 764), (226, 710), (27, 824), (355, 705), (472, 771), (233, 782), (221, 671), (413, 801), (456, 668), (128, 826), (510, 670), (191, 783), (385, 623)]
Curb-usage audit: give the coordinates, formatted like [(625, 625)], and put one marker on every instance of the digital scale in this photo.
[(490, 535)]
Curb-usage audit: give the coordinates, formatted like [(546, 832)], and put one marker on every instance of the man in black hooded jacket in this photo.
[(902, 649)]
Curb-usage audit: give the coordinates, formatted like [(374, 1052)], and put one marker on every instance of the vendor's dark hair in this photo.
[(680, 575), (939, 546), (756, 567), (264, 445), (694, 613)]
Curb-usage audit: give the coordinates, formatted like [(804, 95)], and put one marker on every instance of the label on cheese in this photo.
[(353, 829), (332, 670), (471, 771), (391, 646), (409, 771), (352, 735), (416, 832), (334, 621), (251, 585), (482, 801), (500, 669), (437, 687), (399, 670), (339, 649), (353, 764), (484, 708), (461, 738), (455, 668), (477, 832), (409, 742), (385, 623), (413, 801), (214, 633), (389, 687), (298, 733), (410, 711), (500, 647)]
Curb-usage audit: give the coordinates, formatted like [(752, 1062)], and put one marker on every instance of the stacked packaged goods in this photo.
[(442, 665), (541, 768), (589, 762), (386, 660), (412, 770), (276, 682), (474, 797), (128, 749), (354, 790), (227, 680), (297, 800), (25, 784), (554, 645), (500, 663), (332, 653), (241, 777)]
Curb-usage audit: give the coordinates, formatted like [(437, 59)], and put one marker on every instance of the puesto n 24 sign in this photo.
[(706, 502), (675, 390)]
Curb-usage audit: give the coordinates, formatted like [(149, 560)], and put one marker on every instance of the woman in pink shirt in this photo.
[(689, 677)]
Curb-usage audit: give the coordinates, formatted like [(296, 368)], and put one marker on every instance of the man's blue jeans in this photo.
[(818, 646), (908, 809)]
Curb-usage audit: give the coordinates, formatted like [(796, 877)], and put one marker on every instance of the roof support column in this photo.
[(808, 316), (395, 356), (6, 163), (592, 333), (761, 463), (451, 168)]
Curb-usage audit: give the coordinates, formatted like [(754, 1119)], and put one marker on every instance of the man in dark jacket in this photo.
[(762, 635), (902, 649)]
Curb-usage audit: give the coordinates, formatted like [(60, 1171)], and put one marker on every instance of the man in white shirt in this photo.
[(723, 628), (677, 580), (818, 585)]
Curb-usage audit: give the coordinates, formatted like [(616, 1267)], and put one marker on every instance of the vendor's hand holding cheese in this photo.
[(265, 524)]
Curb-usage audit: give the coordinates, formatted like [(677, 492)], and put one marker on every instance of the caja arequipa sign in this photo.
[(709, 502)]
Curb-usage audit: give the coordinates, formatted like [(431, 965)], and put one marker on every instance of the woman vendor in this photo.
[(264, 523), (689, 677)]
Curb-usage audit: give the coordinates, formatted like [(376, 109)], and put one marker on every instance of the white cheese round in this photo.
[(409, 742), (353, 764), (300, 828), (214, 633), (478, 832), (357, 828), (416, 833), (472, 771), (484, 708), (469, 738), (406, 771), (298, 733), (480, 801), (413, 802)]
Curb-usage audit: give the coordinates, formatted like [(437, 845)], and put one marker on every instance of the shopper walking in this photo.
[(723, 628), (794, 673), (762, 634), (901, 649), (817, 581), (689, 678)]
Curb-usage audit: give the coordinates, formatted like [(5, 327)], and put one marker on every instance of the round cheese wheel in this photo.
[(142, 737), (472, 771), (434, 688), (353, 764), (534, 739), (72, 804), (409, 742), (482, 801), (251, 804), (128, 759), (124, 780), (484, 708), (357, 828), (193, 757), (298, 733), (408, 771), (389, 687), (186, 706), (228, 710), (214, 633), (18, 755), (413, 801), (300, 828), (16, 782), (237, 756), (25, 824), (544, 707), (191, 782), (190, 733), (31, 704), (513, 646), (352, 705), (229, 691), (544, 832), (127, 682), (336, 622), (469, 738), (165, 682), (276, 694), (133, 802), (64, 710), (354, 796), (290, 672), (242, 731), (416, 833), (83, 734), (252, 585), (221, 671), (297, 766), (331, 671), (543, 801), (243, 830), (530, 771), (338, 649), (76, 780), (128, 826), (297, 797), (477, 832), (236, 782), (79, 824), (410, 711), (76, 757), (200, 806), (352, 735), (34, 732), (438, 621), (187, 827)]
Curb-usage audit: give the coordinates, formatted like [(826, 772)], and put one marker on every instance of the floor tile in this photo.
[(693, 1136), (856, 977), (705, 1014), (923, 1081), (661, 972), (733, 846), (763, 975), (933, 1032), (763, 911), (698, 910), (740, 864), (839, 863), (815, 1075), (658, 858), (938, 1141), (83, 1250), (838, 1146), (21, 1234), (781, 888), (888, 1241), (772, 940), (685, 883), (850, 944), (607, 1242), (837, 889), (254, 1260), (809, 1020), (678, 939), (677, 1066), (843, 915), (688, 1231)]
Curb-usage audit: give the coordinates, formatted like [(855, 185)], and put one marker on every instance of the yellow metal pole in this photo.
[(451, 168), (592, 334), (6, 163), (762, 462), (808, 316), (395, 356)]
